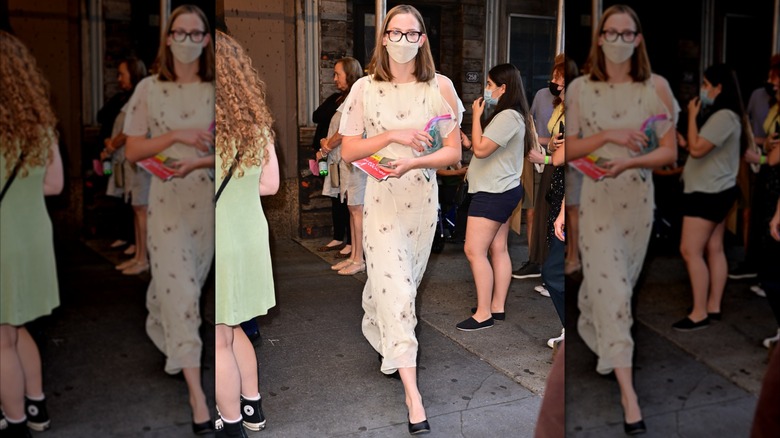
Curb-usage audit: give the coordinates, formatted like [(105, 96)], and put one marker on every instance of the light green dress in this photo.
[(245, 285), (28, 273)]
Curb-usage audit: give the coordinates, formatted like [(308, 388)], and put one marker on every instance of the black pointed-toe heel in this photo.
[(635, 428), (203, 428), (419, 428)]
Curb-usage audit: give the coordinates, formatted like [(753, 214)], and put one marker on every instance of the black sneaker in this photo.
[(742, 271), (16, 430), (37, 414), (527, 270), (687, 325), (252, 414), (471, 324), (229, 430)]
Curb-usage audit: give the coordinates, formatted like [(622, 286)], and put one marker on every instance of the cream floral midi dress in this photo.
[(399, 214), (180, 218), (616, 216)]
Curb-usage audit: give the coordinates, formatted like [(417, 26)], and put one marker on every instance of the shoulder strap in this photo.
[(227, 178), (12, 176)]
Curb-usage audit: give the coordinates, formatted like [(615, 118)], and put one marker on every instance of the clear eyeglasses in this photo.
[(196, 36), (611, 35), (412, 36)]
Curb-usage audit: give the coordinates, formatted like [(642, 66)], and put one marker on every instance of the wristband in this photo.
[(762, 160), (546, 159)]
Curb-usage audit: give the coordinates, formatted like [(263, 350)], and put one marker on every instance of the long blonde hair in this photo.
[(27, 121), (242, 117)]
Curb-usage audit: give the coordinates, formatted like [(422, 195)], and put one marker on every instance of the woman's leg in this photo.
[(572, 230), (502, 268), (227, 375), (696, 232), (480, 233), (719, 268), (247, 363), (30, 359), (11, 374), (413, 397), (140, 234), (628, 398), (200, 411), (356, 227)]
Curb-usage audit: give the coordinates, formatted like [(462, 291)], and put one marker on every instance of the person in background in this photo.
[(323, 117), (761, 100), (494, 182), (352, 181), (541, 110), (616, 213), (399, 214), (710, 181), (244, 277), (170, 113), (30, 169), (135, 182)]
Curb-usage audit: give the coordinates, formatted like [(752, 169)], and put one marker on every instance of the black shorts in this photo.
[(710, 206), (495, 206)]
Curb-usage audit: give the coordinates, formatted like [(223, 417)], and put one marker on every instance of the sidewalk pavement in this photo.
[(318, 375), (690, 384)]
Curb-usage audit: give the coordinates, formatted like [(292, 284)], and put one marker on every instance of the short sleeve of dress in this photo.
[(573, 122), (719, 127), (136, 118), (503, 127), (444, 107), (352, 110)]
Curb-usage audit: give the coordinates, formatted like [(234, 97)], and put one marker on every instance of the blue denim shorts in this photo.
[(495, 206)]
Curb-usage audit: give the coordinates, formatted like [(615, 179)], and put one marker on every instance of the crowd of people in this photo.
[(204, 107)]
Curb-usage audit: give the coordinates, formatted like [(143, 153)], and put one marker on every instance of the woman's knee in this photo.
[(223, 337), (8, 336)]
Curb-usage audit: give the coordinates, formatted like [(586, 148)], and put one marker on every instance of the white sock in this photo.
[(10, 421), (231, 421), (257, 397), (41, 397)]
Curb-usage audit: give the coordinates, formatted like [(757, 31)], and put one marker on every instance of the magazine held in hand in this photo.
[(376, 165)]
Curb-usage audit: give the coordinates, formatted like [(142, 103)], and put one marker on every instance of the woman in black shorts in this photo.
[(494, 181), (710, 179)]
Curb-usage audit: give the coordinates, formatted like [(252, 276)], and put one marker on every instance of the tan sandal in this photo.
[(341, 265), (136, 269), (126, 264), (354, 269)]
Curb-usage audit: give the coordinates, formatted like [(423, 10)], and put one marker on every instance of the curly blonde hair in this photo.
[(27, 121), (242, 117)]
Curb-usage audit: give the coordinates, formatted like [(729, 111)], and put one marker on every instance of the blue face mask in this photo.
[(705, 99), (489, 99)]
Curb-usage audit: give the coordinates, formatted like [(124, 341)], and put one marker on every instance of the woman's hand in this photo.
[(632, 139), (560, 224), (617, 166), (752, 156), (324, 146), (415, 139), (478, 107), (536, 156), (694, 106), (399, 167), (557, 142), (464, 140), (774, 224), (197, 138), (183, 167)]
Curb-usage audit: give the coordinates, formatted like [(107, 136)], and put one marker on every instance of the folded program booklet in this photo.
[(159, 166), (375, 166), (591, 166)]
